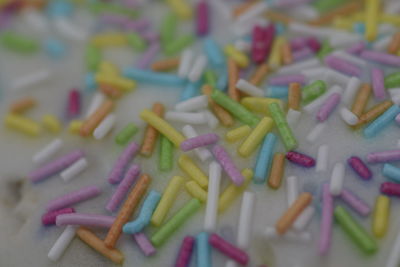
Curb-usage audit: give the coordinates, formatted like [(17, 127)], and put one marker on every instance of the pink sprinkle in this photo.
[(55, 166), (391, 189), (122, 162), (151, 36), (313, 44), (302, 53), (82, 219), (202, 18), (342, 65), (381, 57), (73, 198), (360, 168), (148, 56), (383, 156), (355, 202), (356, 48), (50, 217), (328, 106), (298, 43), (325, 234), (123, 188), (74, 103), (300, 159), (287, 79), (226, 162), (185, 252), (144, 244), (378, 84), (262, 42), (233, 252), (199, 141)]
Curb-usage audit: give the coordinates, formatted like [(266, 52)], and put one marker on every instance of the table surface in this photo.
[(25, 242)]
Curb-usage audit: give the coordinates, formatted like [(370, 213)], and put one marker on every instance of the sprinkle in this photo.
[(192, 170), (144, 217), (202, 25), (374, 112), (325, 235), (90, 124), (337, 179), (122, 162), (255, 137), (73, 170), (292, 190), (166, 155), (154, 78), (381, 122), (226, 162), (49, 218), (185, 252), (51, 123), (73, 197), (61, 244), (55, 166), (211, 213), (248, 88), (378, 83), (151, 133), (264, 159), (278, 166), (185, 63), (126, 134), (237, 133), (223, 116), (167, 200), (47, 152), (97, 244), (120, 192), (177, 220), (196, 191), (355, 202), (359, 167), (199, 141), (126, 211), (284, 130), (203, 250), (22, 124), (22, 105), (233, 75), (82, 219), (144, 244), (304, 219)]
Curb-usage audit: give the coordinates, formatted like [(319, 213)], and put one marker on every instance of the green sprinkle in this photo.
[(313, 91), (92, 57), (124, 136), (326, 5), (19, 43), (178, 44), (168, 29), (100, 7), (166, 154), (392, 80), (325, 49), (175, 222), (136, 41), (210, 77), (236, 109), (355, 231), (285, 132)]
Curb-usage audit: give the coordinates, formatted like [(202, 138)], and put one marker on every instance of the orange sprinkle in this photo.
[(94, 120), (278, 17), (361, 99), (151, 134), (286, 51), (374, 113), (294, 97), (277, 169), (223, 116), (22, 105), (233, 73), (259, 74), (394, 44), (125, 213), (342, 10), (110, 91), (242, 8), (97, 244), (291, 214), (165, 64)]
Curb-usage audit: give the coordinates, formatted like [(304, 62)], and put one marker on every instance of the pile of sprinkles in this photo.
[(285, 59)]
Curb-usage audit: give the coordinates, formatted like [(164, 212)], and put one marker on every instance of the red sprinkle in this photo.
[(360, 168), (390, 189), (300, 159), (50, 217), (228, 249)]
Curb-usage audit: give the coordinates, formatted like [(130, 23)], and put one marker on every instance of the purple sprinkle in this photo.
[(383, 156), (144, 244), (73, 198), (148, 56), (378, 84), (342, 65), (287, 79), (226, 162), (314, 44), (302, 53), (381, 57), (82, 219), (199, 141), (356, 48), (355, 202), (328, 106), (325, 234), (202, 25), (55, 166), (122, 162), (123, 188)]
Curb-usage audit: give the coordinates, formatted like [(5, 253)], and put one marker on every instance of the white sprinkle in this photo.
[(69, 30), (35, 20), (61, 244), (249, 88), (185, 63), (351, 90), (198, 68), (270, 233), (299, 66), (246, 220), (322, 158), (47, 152), (212, 121), (210, 218), (97, 100), (253, 12), (31, 79), (104, 127), (193, 104), (73, 170), (394, 256), (293, 117), (315, 132), (337, 179), (186, 117), (313, 106), (348, 117), (292, 190)]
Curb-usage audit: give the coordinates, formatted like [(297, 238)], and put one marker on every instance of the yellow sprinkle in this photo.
[(233, 191), (390, 18), (239, 57), (162, 126), (75, 126), (259, 104), (109, 39), (343, 23), (181, 8), (191, 169), (275, 59), (51, 123), (371, 19), (121, 83), (255, 137), (167, 200), (196, 191), (380, 221), (22, 124), (238, 133), (108, 68)]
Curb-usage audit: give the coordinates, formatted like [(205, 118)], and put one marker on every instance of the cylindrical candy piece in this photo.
[(50, 217), (229, 166), (300, 159), (325, 234), (228, 249), (119, 167), (380, 221), (73, 197), (185, 252), (359, 167), (199, 141)]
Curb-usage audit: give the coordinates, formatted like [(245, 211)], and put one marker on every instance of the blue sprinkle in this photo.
[(264, 159), (54, 48)]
